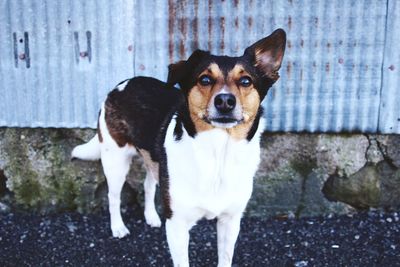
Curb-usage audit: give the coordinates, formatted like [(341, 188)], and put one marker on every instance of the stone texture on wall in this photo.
[(299, 175)]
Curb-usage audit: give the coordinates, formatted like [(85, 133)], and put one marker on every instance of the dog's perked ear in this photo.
[(267, 53), (178, 72)]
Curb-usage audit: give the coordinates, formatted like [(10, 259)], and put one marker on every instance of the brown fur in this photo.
[(150, 165), (247, 97), (116, 125), (100, 136)]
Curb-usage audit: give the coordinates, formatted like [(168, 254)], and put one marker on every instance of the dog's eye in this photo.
[(245, 81), (206, 80)]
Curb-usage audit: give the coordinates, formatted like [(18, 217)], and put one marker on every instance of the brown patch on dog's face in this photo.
[(247, 96), (214, 81), (200, 96)]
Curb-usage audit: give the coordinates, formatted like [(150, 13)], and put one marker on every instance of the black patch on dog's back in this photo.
[(135, 114), (139, 115)]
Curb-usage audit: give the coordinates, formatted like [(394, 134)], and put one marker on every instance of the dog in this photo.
[(200, 142)]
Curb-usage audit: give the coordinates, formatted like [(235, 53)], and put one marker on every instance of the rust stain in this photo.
[(250, 21), (327, 67), (195, 25), (130, 48), (290, 23), (142, 67), (171, 20), (289, 44), (222, 25), (183, 29), (391, 67), (289, 69), (341, 60), (237, 23), (302, 43), (236, 3), (210, 26)]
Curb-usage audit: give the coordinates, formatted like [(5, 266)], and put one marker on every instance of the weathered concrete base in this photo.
[(299, 175)]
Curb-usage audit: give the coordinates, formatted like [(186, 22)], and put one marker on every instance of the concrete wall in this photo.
[(300, 174)]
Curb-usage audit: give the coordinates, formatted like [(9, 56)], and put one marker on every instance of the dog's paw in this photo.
[(119, 231), (152, 219)]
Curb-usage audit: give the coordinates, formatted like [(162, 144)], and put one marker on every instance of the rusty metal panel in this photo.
[(331, 75), (389, 120), (58, 59), (73, 52)]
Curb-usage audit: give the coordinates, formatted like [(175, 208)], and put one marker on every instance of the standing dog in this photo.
[(200, 143)]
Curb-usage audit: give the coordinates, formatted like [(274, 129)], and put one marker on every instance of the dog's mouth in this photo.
[(223, 121)]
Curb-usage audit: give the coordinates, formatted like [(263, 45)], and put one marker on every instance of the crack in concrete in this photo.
[(301, 205), (368, 147), (381, 148)]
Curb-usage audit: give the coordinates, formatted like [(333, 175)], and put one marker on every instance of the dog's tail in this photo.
[(88, 151)]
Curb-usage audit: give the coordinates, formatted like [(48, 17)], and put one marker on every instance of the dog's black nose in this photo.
[(225, 102)]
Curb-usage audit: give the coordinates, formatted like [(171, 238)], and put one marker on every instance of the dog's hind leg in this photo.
[(150, 212), (150, 184), (116, 162)]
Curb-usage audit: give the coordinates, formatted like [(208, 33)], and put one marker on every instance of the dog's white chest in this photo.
[(211, 173)]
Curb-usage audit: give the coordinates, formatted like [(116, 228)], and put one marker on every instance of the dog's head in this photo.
[(224, 91)]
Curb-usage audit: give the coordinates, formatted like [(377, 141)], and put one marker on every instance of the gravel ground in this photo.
[(71, 239)]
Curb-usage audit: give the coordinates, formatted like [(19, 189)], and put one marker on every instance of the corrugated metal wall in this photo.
[(340, 73)]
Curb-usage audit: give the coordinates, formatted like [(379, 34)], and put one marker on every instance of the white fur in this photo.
[(210, 176), (122, 86), (88, 151), (116, 162)]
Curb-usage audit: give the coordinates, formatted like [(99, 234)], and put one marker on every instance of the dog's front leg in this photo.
[(178, 240), (228, 228)]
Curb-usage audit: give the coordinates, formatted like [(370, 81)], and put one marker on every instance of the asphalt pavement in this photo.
[(72, 239)]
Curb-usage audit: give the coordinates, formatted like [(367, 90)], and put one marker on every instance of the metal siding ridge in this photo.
[(389, 119), (147, 33)]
